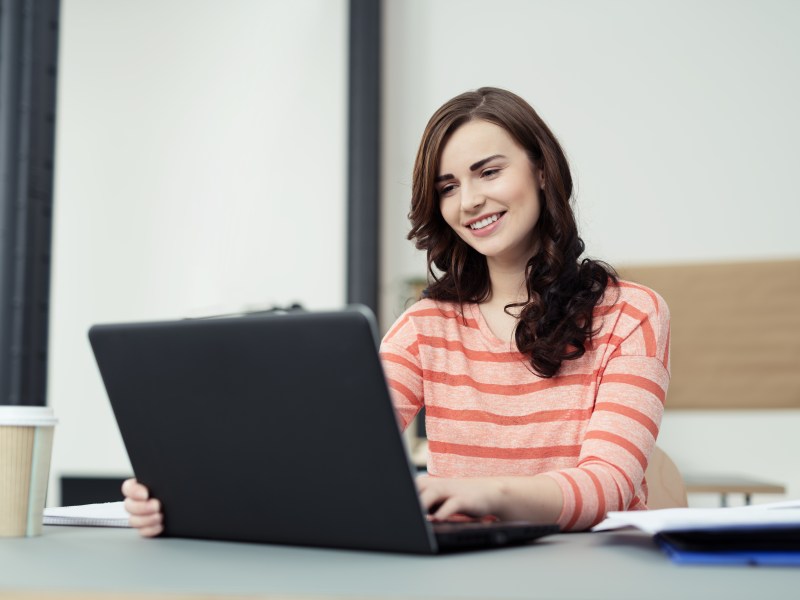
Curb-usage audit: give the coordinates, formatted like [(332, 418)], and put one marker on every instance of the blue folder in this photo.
[(765, 545)]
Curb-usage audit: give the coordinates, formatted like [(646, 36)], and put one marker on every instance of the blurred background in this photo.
[(202, 167)]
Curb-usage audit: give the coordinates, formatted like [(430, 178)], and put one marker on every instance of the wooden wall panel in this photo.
[(735, 332)]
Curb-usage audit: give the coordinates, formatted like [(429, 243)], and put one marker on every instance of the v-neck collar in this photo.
[(487, 333)]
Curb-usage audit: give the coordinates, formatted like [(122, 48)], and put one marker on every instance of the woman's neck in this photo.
[(508, 284), (508, 287), (507, 275)]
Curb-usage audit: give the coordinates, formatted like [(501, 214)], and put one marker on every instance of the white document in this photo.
[(671, 519), (107, 514)]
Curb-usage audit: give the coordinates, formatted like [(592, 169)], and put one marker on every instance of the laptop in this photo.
[(276, 428)]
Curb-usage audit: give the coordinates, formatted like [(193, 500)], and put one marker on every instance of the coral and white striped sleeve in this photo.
[(404, 372), (622, 430)]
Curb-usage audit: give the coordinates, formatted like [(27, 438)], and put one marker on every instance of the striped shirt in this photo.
[(591, 427)]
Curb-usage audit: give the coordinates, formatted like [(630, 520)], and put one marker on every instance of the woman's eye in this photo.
[(490, 172), (447, 189)]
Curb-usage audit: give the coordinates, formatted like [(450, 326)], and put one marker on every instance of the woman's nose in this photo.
[(471, 200)]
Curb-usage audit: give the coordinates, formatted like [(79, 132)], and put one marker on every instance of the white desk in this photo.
[(70, 562)]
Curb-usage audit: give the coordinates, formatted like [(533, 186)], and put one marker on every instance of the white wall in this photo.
[(201, 162), (680, 120)]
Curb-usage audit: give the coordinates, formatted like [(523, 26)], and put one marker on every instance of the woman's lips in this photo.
[(489, 229)]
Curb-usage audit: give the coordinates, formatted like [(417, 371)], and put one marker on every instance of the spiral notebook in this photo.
[(105, 514)]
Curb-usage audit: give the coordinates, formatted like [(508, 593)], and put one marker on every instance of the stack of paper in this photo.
[(759, 534), (107, 514)]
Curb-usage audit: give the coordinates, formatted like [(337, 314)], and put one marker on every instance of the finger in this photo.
[(145, 521), (139, 507), (133, 489), (431, 498), (448, 508), (422, 482), (151, 531)]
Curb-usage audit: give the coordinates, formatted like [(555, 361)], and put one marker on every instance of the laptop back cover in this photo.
[(266, 429)]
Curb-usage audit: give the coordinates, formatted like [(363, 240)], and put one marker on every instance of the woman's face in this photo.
[(489, 192)]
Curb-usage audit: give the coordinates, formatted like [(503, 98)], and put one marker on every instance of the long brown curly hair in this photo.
[(555, 322)]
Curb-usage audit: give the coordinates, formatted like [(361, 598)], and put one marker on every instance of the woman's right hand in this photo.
[(145, 511)]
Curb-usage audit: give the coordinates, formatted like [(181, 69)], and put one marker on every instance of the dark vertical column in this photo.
[(363, 224), (28, 59)]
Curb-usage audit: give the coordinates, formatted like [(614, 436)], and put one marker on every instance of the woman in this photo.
[(543, 376)]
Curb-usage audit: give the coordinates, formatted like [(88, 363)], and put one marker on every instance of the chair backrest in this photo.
[(664, 482)]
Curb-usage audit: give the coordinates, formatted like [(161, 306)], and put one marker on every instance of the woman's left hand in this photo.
[(537, 498), (444, 498)]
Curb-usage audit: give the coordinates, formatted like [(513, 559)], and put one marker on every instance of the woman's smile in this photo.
[(484, 226)]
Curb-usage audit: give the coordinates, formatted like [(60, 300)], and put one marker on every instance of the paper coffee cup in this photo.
[(26, 443)]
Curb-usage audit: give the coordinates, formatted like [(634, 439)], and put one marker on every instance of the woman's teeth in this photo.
[(484, 222)]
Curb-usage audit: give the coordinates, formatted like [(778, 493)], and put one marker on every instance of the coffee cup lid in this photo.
[(27, 416)]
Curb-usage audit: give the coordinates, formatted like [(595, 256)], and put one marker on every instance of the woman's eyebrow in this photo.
[(483, 161), (472, 167)]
